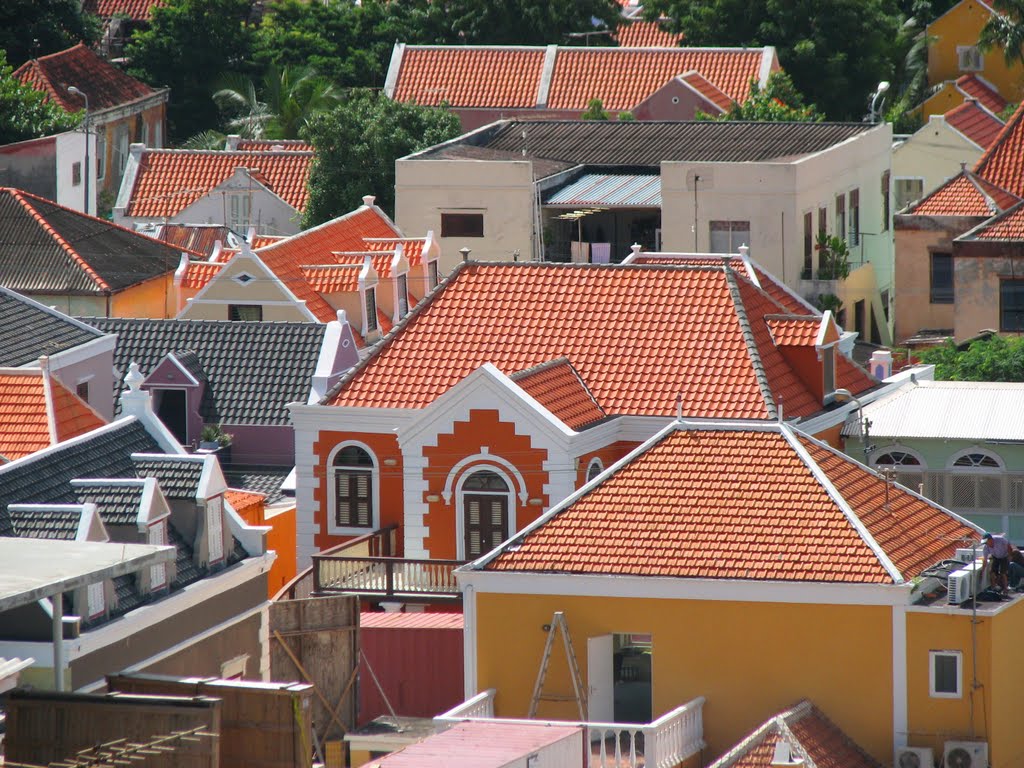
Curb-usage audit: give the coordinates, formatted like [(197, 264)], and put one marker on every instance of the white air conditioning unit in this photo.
[(965, 583), (965, 754), (913, 757), (967, 555)]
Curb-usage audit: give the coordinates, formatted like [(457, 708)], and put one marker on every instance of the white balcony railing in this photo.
[(665, 743)]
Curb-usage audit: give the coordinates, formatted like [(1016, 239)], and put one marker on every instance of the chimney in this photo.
[(368, 200), (880, 364), (232, 142)]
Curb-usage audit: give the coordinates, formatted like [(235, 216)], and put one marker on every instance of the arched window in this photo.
[(976, 481), (353, 469), (977, 460), (485, 502), (907, 467), (594, 469), (897, 459)]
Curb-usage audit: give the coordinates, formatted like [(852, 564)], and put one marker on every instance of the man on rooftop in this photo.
[(997, 547)]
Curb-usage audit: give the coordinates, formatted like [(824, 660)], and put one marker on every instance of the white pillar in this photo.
[(58, 641)]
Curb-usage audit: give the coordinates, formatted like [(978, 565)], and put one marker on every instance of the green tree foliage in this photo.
[(33, 28), (1005, 30), (998, 358), (595, 111), (779, 101), (836, 51), (25, 113), (280, 107), (189, 45), (357, 144)]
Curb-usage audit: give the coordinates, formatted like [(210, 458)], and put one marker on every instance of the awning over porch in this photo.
[(641, 190)]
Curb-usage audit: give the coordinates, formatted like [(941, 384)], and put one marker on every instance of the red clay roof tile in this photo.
[(25, 414), (169, 180), (976, 88), (966, 194), (412, 247), (332, 278), (682, 506), (646, 34), (199, 273), (104, 84), (136, 10), (470, 77), (685, 331), (270, 145), (1007, 226), (794, 331), (977, 124), (558, 387), (244, 501), (707, 89), (1003, 162)]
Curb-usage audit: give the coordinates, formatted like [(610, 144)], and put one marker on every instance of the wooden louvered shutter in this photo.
[(486, 522), (354, 506)]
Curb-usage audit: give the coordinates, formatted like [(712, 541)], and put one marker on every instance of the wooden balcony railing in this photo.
[(380, 542)]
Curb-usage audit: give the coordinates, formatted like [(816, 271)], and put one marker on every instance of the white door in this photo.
[(600, 679)]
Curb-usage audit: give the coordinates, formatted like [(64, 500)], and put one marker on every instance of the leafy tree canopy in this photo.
[(1005, 30), (33, 28), (595, 111), (357, 144), (836, 51), (779, 101), (998, 358), (188, 46), (25, 113)]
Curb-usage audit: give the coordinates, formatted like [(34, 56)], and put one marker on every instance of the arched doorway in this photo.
[(485, 509)]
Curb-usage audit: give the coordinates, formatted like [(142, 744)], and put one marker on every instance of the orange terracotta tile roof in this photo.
[(244, 502), (104, 84), (976, 88), (707, 89), (136, 10), (332, 278), (169, 180), (646, 34), (558, 387), (199, 273), (811, 737), (470, 77), (1007, 226), (412, 247), (198, 238), (794, 331), (286, 258), (262, 241), (623, 77), (966, 194), (672, 511), (977, 124), (689, 331), (1003, 162), (38, 411), (381, 260), (268, 145)]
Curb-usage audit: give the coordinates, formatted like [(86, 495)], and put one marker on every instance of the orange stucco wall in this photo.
[(280, 539), (483, 433), (390, 468), (608, 456), (152, 299), (150, 122)]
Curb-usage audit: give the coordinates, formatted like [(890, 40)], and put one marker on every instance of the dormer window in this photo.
[(828, 369), (432, 275), (403, 296), (371, 309)]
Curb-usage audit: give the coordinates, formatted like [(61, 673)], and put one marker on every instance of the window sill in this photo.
[(351, 530)]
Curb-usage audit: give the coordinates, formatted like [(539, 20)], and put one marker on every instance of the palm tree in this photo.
[(287, 98), (1005, 29)]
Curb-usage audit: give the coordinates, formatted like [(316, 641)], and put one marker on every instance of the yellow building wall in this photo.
[(154, 298), (750, 660), (961, 26)]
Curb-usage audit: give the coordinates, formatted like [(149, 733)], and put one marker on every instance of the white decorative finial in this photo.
[(342, 316), (134, 378), (636, 248), (368, 200), (744, 250)]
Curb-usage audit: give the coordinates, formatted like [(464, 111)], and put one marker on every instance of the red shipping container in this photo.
[(417, 658)]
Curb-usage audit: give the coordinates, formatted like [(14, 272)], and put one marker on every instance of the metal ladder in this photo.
[(558, 624)]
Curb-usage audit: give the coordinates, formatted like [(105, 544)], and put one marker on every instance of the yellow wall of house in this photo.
[(961, 26), (152, 299), (750, 660)]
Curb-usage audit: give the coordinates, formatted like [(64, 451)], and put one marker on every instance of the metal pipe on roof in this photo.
[(59, 661)]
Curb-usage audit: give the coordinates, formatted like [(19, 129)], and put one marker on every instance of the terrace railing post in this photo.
[(316, 574), (390, 578)]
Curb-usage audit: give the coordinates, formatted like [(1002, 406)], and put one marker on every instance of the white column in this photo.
[(58, 641)]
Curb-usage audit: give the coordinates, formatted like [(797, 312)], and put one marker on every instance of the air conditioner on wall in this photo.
[(913, 757), (965, 583), (967, 555), (965, 754)]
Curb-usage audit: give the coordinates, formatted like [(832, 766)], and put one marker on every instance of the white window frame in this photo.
[(433, 274), (951, 463), (215, 529), (239, 211), (460, 504), (735, 240), (958, 655), (157, 536), (976, 61), (96, 599), (332, 492), (922, 465), (594, 462), (370, 321), (401, 296)]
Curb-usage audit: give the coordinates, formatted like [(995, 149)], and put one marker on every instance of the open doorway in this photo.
[(171, 409), (619, 674)]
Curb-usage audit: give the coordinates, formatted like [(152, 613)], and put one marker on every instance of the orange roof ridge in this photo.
[(752, 348)]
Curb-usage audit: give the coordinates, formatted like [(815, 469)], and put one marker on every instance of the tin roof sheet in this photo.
[(610, 189), (959, 410)]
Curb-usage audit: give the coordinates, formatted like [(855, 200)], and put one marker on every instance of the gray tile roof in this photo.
[(253, 369), (190, 361), (598, 142), (29, 330), (45, 523), (178, 477), (46, 478), (116, 503), (258, 479), (47, 248)]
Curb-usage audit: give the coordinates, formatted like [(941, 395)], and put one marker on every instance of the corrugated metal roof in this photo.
[(610, 189), (956, 410), (368, 620)]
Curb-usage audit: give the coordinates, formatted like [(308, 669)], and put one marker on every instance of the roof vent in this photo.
[(465, 253), (368, 200)]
